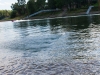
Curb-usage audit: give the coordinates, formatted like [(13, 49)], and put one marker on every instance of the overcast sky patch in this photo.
[(6, 4)]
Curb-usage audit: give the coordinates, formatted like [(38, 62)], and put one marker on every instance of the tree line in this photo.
[(36, 5), (4, 13), (70, 4)]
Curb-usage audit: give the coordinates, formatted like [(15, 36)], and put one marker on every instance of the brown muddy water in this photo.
[(60, 46)]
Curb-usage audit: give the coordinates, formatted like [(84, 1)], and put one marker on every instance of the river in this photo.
[(55, 46)]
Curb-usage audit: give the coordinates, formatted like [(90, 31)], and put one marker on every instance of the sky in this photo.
[(6, 4)]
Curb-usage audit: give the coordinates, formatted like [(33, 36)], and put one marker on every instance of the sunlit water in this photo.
[(50, 42)]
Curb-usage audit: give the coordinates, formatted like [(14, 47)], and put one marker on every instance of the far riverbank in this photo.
[(51, 15), (61, 14)]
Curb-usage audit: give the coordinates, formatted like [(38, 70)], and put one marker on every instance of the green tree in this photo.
[(20, 9), (59, 3), (52, 4), (4, 13), (31, 6), (40, 4), (13, 14)]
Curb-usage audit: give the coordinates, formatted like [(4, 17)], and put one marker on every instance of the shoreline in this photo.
[(52, 16), (64, 15)]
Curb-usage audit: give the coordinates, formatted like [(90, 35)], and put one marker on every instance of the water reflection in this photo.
[(71, 23)]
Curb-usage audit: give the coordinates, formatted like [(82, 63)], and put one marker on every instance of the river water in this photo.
[(60, 46)]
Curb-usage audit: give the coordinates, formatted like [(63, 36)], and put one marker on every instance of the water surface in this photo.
[(60, 40)]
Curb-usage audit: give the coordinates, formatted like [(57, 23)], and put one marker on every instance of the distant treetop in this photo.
[(21, 2)]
